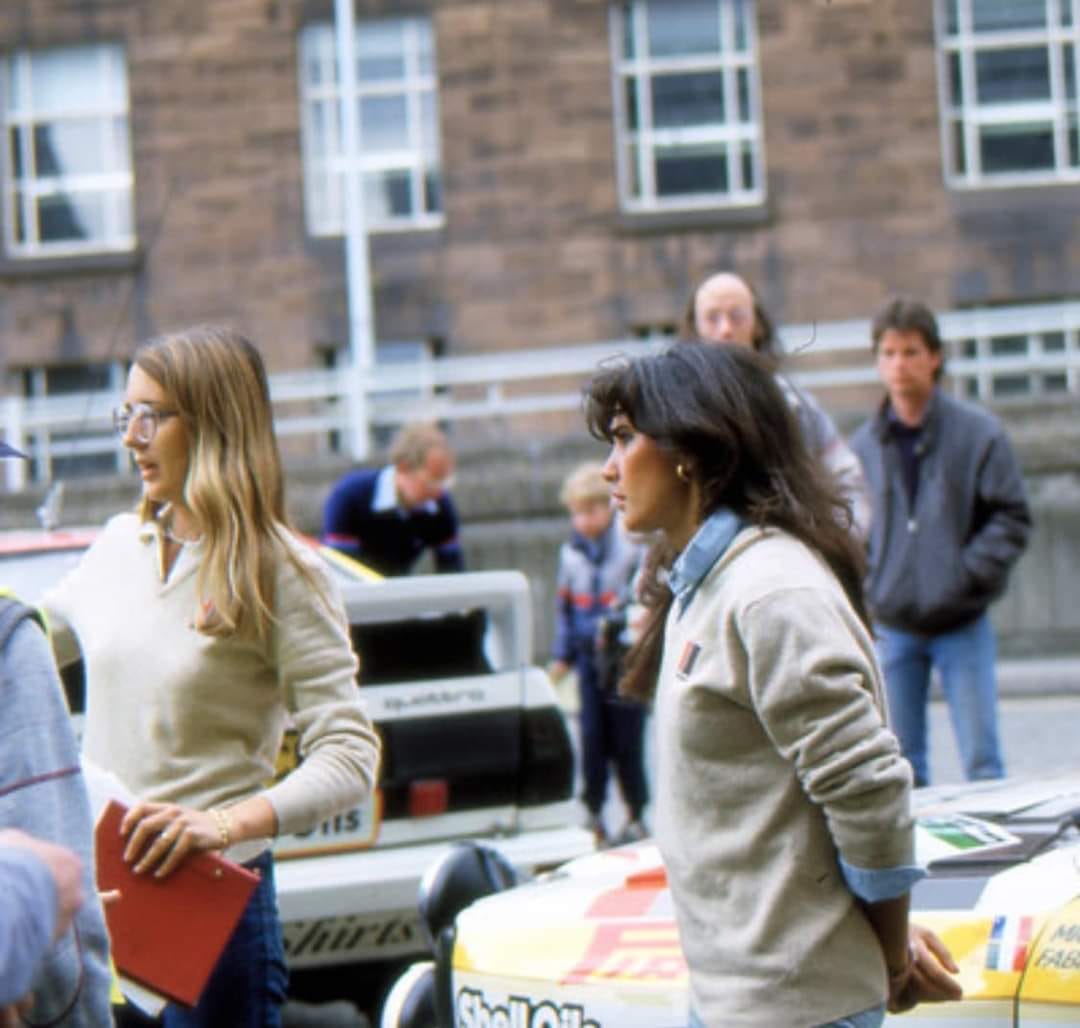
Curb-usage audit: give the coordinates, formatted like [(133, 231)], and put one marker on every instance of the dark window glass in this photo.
[(959, 149), (629, 50), (968, 347), (748, 179), (1053, 342), (1056, 382), (633, 122), (1004, 148), (687, 99), (432, 191), (1010, 385), (691, 169), (1012, 76), (952, 17), (1007, 15), (1009, 346), (58, 220), (956, 80), (1068, 61)]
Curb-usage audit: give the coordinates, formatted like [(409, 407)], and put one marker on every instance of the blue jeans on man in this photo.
[(964, 658)]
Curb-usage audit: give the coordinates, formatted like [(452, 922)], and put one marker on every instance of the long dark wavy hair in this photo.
[(716, 408)]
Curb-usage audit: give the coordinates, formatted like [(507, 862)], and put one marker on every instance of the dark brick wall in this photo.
[(534, 250)]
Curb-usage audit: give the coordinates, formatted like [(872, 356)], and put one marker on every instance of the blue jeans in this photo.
[(871, 1018), (964, 658), (248, 984)]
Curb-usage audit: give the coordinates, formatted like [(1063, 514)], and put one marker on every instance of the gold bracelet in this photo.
[(221, 818)]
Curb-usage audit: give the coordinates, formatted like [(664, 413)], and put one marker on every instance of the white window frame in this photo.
[(970, 116), (733, 133), (324, 172), (116, 187)]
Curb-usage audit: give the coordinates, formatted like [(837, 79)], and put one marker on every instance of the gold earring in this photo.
[(683, 472)]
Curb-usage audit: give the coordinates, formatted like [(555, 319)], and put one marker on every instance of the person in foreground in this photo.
[(782, 800), (205, 625)]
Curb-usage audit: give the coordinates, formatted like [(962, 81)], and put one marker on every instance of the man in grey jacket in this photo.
[(42, 793), (950, 518)]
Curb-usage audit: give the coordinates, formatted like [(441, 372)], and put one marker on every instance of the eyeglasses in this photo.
[(142, 420)]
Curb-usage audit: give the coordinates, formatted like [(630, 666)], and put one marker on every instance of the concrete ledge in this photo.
[(1039, 676)]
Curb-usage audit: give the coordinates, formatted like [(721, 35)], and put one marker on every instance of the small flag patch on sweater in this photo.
[(688, 658), (1010, 937)]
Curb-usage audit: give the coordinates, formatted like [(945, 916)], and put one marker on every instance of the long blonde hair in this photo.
[(235, 488)]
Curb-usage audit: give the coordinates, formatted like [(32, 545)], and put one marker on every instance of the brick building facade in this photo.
[(530, 243)]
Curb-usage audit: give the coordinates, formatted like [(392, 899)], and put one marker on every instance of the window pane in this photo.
[(1009, 346), (1016, 147), (626, 21), (1010, 385), (688, 99), (1068, 55), (383, 123), (380, 51), (429, 126), (749, 179), (388, 195), (72, 77), (633, 172), (959, 153), (1003, 15), (1053, 342), (1066, 12), (68, 217), (683, 27), (1055, 382), (425, 57), (633, 121), (742, 81), (1012, 76), (1074, 142), (956, 81), (15, 145), (691, 169), (432, 191), (952, 17), (742, 42), (69, 148)]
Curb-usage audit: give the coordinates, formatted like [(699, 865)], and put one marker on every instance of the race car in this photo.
[(595, 945)]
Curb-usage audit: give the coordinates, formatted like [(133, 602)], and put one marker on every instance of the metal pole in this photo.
[(357, 266)]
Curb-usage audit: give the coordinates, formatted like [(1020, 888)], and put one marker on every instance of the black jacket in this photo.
[(941, 564)]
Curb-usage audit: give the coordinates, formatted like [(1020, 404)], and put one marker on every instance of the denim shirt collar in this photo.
[(701, 553)]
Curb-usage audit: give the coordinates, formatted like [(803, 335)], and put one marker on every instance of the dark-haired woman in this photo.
[(782, 806)]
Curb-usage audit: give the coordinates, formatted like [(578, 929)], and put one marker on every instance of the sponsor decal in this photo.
[(354, 829), (688, 658), (1061, 950), (518, 1012), (430, 698), (1010, 938), (631, 950), (333, 939)]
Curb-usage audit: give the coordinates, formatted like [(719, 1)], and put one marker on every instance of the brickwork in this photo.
[(534, 250)]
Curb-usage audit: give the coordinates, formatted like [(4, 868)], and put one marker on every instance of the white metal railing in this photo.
[(993, 355)]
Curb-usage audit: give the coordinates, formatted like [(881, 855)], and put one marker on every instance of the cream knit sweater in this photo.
[(773, 760), (185, 718)]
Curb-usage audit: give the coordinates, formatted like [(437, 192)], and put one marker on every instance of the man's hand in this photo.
[(65, 868)]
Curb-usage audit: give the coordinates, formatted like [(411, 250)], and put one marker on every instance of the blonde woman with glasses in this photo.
[(204, 624)]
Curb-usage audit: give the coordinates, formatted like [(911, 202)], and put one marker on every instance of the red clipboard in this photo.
[(167, 933)]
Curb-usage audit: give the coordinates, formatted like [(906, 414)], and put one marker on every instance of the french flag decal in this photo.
[(688, 658), (1010, 938)]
